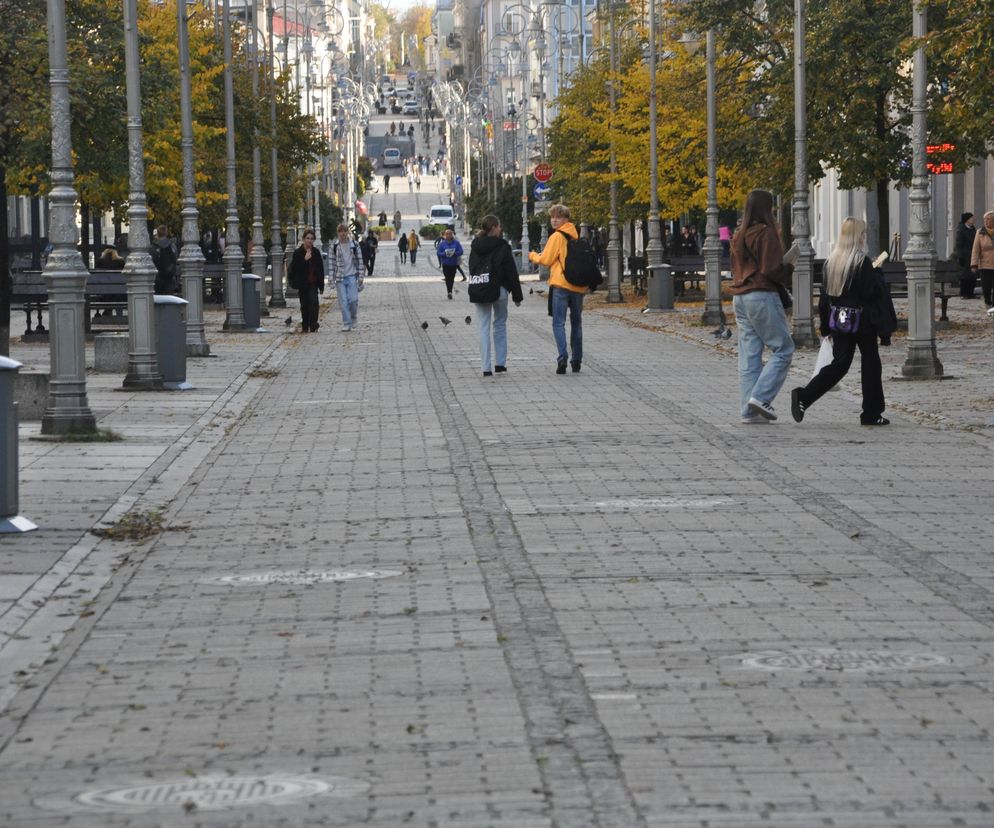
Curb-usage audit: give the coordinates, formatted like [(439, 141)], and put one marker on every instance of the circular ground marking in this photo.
[(306, 576), (216, 793), (843, 661)]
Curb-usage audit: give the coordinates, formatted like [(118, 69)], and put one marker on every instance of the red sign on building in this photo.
[(938, 162)]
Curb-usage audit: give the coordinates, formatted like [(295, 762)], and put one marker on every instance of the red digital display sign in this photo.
[(937, 163)]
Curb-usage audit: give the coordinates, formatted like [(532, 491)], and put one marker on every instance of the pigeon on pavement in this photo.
[(445, 321), (424, 326), (469, 319), (288, 321)]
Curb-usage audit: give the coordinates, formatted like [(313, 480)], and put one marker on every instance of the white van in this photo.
[(391, 157), (443, 214)]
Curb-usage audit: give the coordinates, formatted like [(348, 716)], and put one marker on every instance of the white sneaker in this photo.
[(345, 328), (754, 419), (762, 409)]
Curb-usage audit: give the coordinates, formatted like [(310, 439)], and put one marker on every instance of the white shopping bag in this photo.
[(824, 355)]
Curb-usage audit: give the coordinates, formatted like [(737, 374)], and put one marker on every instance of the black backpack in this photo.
[(580, 268), (484, 285)]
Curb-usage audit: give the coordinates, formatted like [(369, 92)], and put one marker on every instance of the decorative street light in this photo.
[(712, 247), (919, 256), (804, 331), (235, 318), (654, 245), (139, 270), (191, 258), (257, 256), (614, 235), (277, 299), (65, 274)]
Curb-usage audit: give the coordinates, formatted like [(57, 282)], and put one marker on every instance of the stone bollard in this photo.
[(660, 289), (170, 345), (10, 521)]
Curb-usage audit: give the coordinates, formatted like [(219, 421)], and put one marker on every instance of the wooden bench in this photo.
[(105, 290)]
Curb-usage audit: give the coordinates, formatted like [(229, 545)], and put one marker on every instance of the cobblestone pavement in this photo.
[(391, 592)]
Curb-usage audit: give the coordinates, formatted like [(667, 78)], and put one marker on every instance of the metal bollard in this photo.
[(660, 289), (10, 521), (170, 346)]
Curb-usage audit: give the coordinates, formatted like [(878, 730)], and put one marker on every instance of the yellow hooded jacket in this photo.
[(554, 255)]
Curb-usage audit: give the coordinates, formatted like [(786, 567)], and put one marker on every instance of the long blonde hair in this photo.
[(846, 257)]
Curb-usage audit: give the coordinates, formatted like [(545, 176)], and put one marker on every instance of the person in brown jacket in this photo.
[(757, 267), (982, 257)]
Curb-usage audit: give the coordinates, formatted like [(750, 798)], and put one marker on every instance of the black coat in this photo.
[(297, 275), (501, 261), (867, 290), (964, 243)]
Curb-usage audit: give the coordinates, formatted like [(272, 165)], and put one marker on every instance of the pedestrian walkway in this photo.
[(391, 592)]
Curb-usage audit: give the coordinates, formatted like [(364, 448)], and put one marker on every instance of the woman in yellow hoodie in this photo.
[(564, 295)]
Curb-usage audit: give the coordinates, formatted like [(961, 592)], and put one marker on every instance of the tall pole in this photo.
[(235, 317), (803, 327), (139, 270), (276, 299), (654, 245), (525, 241), (65, 274), (919, 256), (614, 234), (712, 247), (258, 255), (191, 259)]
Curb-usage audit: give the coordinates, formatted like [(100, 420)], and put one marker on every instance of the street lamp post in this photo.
[(65, 274), (235, 316), (276, 299), (191, 258), (614, 234), (258, 254), (712, 246), (139, 270), (803, 327), (654, 245), (922, 361)]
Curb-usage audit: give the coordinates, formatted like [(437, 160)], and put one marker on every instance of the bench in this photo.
[(106, 291)]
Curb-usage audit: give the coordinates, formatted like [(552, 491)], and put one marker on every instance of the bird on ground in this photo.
[(530, 290), (718, 331), (288, 321), (469, 319), (424, 326), (727, 334), (445, 321)]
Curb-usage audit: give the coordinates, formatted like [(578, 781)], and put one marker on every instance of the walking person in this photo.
[(493, 277), (386, 182), (564, 296), (965, 234), (402, 244), (982, 257), (855, 309), (449, 253), (368, 247), (306, 276), (412, 245), (417, 179), (165, 257), (347, 272), (757, 268), (396, 220)]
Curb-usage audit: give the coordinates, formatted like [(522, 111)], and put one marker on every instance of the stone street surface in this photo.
[(390, 592)]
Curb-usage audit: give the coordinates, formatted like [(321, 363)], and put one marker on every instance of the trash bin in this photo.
[(10, 521), (250, 299), (660, 288), (170, 345)]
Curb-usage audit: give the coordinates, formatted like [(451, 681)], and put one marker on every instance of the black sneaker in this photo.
[(488, 373), (500, 369), (796, 406), (561, 367), (576, 367), (878, 421)]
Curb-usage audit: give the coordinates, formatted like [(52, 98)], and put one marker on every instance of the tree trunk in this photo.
[(5, 285)]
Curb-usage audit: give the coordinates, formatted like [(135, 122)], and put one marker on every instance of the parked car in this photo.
[(411, 106), (391, 157), (442, 214)]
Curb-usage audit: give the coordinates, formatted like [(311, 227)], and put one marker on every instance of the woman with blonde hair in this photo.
[(982, 257), (852, 295)]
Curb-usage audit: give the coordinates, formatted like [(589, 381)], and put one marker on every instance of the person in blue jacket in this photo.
[(449, 253)]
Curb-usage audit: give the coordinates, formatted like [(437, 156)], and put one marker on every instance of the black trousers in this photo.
[(309, 308), (449, 272), (987, 286), (967, 281), (870, 372)]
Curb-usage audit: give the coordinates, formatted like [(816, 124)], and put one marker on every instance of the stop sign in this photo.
[(543, 172)]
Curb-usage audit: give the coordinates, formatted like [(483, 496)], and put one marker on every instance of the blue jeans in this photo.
[(497, 313), (348, 299), (762, 323), (561, 300)]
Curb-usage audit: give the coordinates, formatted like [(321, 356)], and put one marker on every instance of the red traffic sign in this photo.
[(543, 173)]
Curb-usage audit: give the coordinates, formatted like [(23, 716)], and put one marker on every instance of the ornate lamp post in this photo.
[(235, 319), (614, 234), (139, 270), (712, 247), (919, 256), (276, 299), (191, 259), (258, 253), (65, 274), (804, 331), (654, 245)]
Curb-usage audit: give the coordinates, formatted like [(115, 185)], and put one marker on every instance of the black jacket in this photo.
[(502, 262), (297, 275), (867, 290), (964, 243)]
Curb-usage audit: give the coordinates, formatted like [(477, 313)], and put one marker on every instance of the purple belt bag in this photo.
[(844, 320)]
